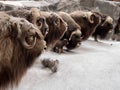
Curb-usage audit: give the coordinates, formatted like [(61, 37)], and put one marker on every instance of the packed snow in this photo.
[(92, 66)]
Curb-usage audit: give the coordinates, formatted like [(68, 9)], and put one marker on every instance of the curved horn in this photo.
[(26, 45), (108, 19), (89, 14), (75, 32), (38, 34)]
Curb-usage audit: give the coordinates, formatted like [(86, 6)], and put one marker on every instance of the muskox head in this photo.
[(57, 27), (34, 16), (87, 20), (20, 44), (39, 21)]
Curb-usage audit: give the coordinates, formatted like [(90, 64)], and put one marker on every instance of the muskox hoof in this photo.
[(52, 65)]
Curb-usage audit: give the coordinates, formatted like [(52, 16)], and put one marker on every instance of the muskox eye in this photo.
[(40, 21), (30, 39), (57, 21)]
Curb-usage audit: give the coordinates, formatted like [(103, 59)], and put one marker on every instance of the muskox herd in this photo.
[(24, 34)]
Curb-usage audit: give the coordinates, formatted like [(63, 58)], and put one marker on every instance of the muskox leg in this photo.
[(51, 64), (95, 38)]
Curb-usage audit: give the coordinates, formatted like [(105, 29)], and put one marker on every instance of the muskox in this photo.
[(73, 33), (58, 47), (34, 16), (88, 22), (20, 44), (57, 27), (104, 27)]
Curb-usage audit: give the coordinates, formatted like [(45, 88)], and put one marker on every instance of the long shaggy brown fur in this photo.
[(73, 30), (15, 56), (34, 16), (88, 22)]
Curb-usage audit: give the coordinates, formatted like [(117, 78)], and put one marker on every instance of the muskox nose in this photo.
[(45, 31), (78, 36), (45, 46)]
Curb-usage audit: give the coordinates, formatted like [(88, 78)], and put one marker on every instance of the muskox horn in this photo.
[(108, 19), (23, 38), (88, 15), (26, 44), (74, 32)]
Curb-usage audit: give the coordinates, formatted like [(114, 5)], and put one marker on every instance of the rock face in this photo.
[(108, 7)]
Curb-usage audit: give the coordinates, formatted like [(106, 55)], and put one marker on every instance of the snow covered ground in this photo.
[(92, 66)]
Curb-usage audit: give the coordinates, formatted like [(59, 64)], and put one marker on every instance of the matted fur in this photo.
[(15, 59), (88, 22), (34, 16)]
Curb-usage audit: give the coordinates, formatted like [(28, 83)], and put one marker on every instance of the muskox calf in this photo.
[(88, 22), (59, 45), (73, 33), (20, 44), (34, 16), (104, 27)]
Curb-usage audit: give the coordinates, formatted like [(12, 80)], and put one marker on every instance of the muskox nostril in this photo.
[(46, 29), (45, 48)]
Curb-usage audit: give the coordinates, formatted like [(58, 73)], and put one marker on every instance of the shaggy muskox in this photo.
[(57, 27), (73, 33), (88, 22), (20, 44), (34, 16), (104, 27), (58, 47)]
